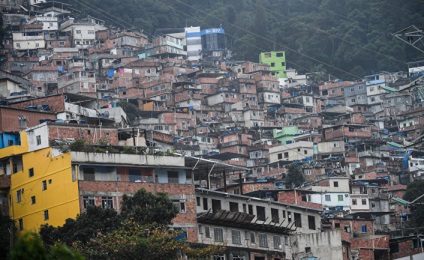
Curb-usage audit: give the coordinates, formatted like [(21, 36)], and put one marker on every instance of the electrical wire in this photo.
[(317, 29), (266, 39)]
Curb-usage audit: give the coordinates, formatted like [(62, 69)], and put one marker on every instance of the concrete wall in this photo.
[(324, 245), (128, 159)]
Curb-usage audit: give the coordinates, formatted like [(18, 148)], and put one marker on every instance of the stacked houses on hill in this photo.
[(174, 113)]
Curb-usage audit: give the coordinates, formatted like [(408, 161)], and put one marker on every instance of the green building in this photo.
[(276, 61), (286, 134)]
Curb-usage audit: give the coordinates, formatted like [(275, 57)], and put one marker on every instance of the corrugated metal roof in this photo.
[(401, 201)]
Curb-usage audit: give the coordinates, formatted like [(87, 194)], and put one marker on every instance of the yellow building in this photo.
[(43, 189)]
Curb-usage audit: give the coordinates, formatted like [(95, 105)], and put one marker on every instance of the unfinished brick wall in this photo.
[(89, 133), (56, 103)]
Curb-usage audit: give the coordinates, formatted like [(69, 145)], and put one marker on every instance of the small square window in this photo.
[(336, 184)]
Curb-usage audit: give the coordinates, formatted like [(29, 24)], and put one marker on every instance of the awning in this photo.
[(395, 145), (389, 89), (401, 201)]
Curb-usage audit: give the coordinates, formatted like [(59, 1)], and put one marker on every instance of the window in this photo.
[(364, 229), (308, 249), (311, 222), (260, 213), (33, 201), (286, 241), (364, 202), (46, 215), (277, 242), (250, 208), (218, 234), (236, 237), (327, 198), (198, 201), (297, 220), (88, 201), (44, 185), (31, 172), (90, 31), (274, 215), (172, 177), (180, 204), (18, 45), (218, 257), (78, 31), (216, 205), (37, 44), (207, 232), (286, 155), (205, 204), (340, 197), (263, 240), (61, 43), (38, 139), (252, 238), (354, 202), (89, 174), (107, 202), (336, 184), (280, 156), (234, 207), (19, 195), (22, 121), (289, 216), (21, 224), (272, 64)]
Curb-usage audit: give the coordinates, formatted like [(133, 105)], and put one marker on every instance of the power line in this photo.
[(266, 39), (317, 29)]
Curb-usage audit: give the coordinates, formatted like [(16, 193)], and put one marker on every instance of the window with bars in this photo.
[(277, 242), (218, 234), (236, 237), (88, 201), (263, 240), (107, 202)]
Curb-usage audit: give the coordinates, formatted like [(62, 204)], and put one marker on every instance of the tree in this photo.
[(83, 228), (130, 109), (7, 228), (134, 241), (295, 176), (148, 208), (139, 232), (30, 246), (413, 191)]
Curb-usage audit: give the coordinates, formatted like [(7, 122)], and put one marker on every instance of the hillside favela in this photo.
[(218, 130)]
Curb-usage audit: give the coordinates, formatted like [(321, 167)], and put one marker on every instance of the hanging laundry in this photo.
[(110, 73)]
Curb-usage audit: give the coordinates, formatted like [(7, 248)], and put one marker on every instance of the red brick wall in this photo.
[(131, 187), (9, 120), (82, 132), (405, 249), (289, 197), (56, 103)]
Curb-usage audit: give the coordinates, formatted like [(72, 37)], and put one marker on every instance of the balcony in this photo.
[(127, 159)]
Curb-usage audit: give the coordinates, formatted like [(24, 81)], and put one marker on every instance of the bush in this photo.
[(77, 146)]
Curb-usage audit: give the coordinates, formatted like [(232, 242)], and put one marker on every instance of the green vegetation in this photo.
[(353, 36), (139, 232), (294, 176), (413, 191)]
